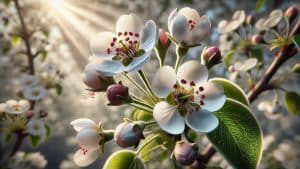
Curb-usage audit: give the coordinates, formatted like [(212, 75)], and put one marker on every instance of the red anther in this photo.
[(201, 103), (192, 26), (190, 21), (120, 34), (114, 39), (192, 83), (127, 39), (112, 44), (125, 33), (175, 86), (108, 51), (201, 88), (135, 42), (136, 35), (130, 33), (202, 96), (130, 42), (183, 81), (197, 92)]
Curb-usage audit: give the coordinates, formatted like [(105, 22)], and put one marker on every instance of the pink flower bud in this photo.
[(43, 113), (212, 56), (291, 13), (129, 134), (257, 39), (163, 38), (29, 114), (117, 94), (94, 80), (185, 153)]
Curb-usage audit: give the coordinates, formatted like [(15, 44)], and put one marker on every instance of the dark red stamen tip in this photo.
[(192, 83), (183, 81), (201, 88)]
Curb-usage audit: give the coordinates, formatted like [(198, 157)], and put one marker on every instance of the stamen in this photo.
[(136, 35), (127, 39), (112, 44), (130, 33), (125, 33), (175, 86), (202, 96), (192, 83), (201, 103), (183, 81), (114, 39), (201, 88), (120, 34)]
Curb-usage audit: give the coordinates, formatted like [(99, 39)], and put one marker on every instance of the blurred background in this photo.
[(72, 23)]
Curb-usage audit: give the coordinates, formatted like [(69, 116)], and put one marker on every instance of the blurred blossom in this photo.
[(28, 80), (268, 141), (285, 153), (237, 20), (35, 93), (36, 127), (245, 65), (187, 27), (22, 160), (16, 107), (270, 109), (271, 21)]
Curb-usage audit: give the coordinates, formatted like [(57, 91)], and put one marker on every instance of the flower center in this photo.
[(191, 24), (187, 97), (125, 47), (84, 150)]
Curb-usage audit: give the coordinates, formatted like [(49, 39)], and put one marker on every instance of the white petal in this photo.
[(192, 71), (82, 123), (83, 160), (202, 121), (110, 68), (239, 16), (11, 103), (274, 18), (179, 28), (260, 24), (163, 81), (24, 104), (190, 14), (200, 32), (100, 44), (149, 36), (214, 97), (170, 18), (129, 23), (168, 118), (222, 24), (246, 65), (88, 138), (138, 62)]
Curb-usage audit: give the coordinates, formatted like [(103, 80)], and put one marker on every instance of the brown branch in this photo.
[(20, 138), (263, 84)]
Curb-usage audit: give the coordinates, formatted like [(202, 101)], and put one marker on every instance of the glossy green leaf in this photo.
[(238, 136), (292, 102), (228, 58), (35, 140), (124, 159), (259, 4), (232, 90), (296, 68), (296, 40), (58, 89)]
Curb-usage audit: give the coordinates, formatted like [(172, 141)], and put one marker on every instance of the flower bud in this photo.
[(291, 13), (117, 94), (43, 113), (163, 38), (94, 80), (250, 20), (29, 114), (129, 134), (162, 46), (211, 56), (185, 153), (257, 39)]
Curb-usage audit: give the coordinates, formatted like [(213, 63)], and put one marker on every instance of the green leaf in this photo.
[(48, 130), (292, 102), (228, 58), (44, 54), (232, 90), (296, 40), (259, 4), (238, 136), (116, 57), (58, 89), (124, 159), (296, 68), (35, 140), (15, 40), (7, 2)]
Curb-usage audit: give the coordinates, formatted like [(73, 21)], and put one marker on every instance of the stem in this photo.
[(283, 55), (141, 107), (139, 102), (146, 82), (148, 142), (149, 151), (16, 147)]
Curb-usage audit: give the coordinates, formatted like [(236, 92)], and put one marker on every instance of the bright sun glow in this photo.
[(56, 4)]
